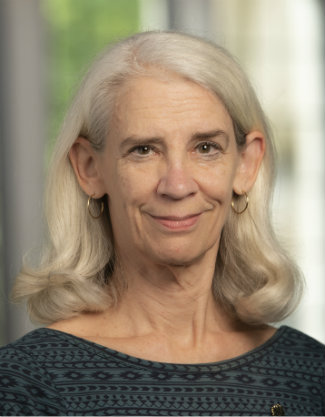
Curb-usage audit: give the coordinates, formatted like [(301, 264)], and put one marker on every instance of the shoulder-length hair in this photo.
[(254, 278)]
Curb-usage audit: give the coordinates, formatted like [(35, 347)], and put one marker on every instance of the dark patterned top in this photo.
[(48, 372)]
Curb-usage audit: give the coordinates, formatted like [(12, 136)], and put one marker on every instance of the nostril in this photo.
[(177, 186), (176, 197)]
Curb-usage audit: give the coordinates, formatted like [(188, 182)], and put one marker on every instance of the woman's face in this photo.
[(169, 168)]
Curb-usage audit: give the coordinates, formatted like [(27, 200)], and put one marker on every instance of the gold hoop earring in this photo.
[(89, 211), (244, 209)]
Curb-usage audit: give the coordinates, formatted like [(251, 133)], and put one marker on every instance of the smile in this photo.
[(177, 223)]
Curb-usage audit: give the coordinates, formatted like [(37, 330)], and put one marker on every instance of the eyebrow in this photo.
[(211, 134), (135, 140)]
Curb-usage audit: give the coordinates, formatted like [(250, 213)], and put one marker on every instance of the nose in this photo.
[(177, 181)]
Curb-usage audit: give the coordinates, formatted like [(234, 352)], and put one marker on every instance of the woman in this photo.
[(160, 274)]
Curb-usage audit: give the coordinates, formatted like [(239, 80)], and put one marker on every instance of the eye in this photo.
[(141, 150), (209, 148)]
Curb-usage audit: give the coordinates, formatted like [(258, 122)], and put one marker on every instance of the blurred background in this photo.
[(45, 48)]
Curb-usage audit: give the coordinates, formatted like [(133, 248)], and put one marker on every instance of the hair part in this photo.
[(254, 277)]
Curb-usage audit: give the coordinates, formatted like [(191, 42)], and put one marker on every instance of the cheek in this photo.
[(217, 182), (130, 187)]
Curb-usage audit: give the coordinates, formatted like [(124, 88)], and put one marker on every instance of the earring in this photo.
[(244, 209), (101, 208)]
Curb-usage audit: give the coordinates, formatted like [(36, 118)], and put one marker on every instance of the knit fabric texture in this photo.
[(48, 372)]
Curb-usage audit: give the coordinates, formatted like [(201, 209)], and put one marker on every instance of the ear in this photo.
[(84, 161), (250, 161)]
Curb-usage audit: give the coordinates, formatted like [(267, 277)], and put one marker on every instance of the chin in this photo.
[(178, 258)]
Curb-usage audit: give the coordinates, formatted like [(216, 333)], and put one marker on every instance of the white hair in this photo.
[(254, 278)]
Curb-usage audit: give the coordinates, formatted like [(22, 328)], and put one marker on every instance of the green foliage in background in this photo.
[(77, 30)]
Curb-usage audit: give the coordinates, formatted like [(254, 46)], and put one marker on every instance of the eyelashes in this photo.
[(142, 150), (209, 148), (205, 148)]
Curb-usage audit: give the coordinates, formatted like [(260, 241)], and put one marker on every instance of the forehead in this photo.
[(166, 100)]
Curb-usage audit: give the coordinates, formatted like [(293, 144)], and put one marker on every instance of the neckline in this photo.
[(106, 352)]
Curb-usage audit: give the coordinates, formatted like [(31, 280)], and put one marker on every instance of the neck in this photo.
[(169, 314), (175, 302)]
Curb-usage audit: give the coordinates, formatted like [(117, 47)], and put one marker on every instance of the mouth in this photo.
[(177, 223)]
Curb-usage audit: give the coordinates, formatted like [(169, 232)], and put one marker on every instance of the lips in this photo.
[(176, 222)]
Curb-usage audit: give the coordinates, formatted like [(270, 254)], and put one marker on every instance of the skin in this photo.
[(169, 169)]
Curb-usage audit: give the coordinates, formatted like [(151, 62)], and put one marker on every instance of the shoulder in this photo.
[(292, 339), (23, 378), (297, 352), (43, 349), (34, 348)]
